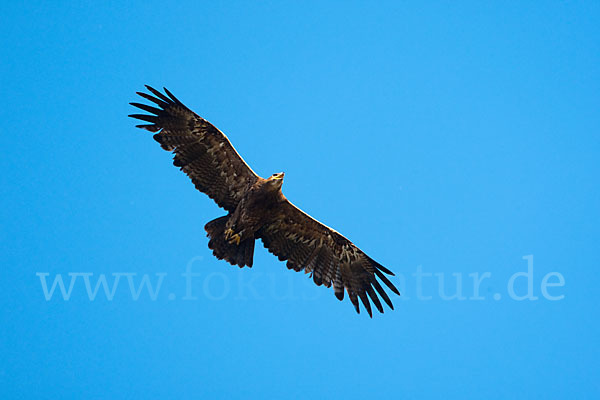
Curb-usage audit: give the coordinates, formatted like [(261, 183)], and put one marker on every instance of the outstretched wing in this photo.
[(201, 150), (309, 245)]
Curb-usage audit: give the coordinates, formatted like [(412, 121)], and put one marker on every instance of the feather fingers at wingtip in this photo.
[(373, 297), (379, 266), (147, 108), (387, 282), (382, 292), (153, 99), (172, 97), (159, 94), (145, 117)]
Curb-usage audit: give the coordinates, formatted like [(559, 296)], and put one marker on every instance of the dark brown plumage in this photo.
[(257, 209)]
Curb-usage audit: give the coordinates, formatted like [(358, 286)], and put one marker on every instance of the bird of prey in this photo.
[(257, 209)]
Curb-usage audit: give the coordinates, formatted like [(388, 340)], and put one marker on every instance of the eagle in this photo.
[(257, 209)]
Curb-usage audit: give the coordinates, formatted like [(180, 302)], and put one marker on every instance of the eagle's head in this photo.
[(275, 181)]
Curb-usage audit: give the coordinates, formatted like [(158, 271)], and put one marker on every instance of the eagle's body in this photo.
[(257, 209)]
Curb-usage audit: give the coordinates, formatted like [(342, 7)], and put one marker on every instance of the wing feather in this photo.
[(332, 259), (201, 150)]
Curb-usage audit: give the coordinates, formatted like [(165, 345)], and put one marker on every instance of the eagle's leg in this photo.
[(232, 238)]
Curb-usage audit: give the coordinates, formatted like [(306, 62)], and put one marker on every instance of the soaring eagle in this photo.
[(257, 209)]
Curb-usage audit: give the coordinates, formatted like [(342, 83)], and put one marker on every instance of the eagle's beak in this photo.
[(279, 175)]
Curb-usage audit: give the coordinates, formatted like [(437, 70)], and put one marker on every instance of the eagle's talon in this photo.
[(232, 238), (235, 239)]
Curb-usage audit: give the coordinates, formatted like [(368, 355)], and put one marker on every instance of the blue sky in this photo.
[(448, 141)]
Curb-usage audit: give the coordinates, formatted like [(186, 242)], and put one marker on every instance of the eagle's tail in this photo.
[(235, 254)]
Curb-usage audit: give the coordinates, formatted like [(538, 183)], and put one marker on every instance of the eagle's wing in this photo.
[(309, 245), (201, 150)]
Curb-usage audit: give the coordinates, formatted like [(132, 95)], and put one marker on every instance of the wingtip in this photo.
[(158, 94), (173, 98), (387, 282), (384, 269)]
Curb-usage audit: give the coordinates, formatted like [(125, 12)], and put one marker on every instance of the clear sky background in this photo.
[(446, 137)]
